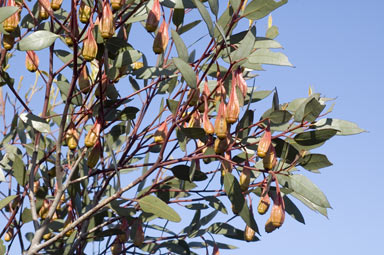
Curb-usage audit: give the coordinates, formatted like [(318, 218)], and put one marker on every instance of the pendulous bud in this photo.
[(84, 12), (44, 8), (153, 17), (93, 135), (116, 4), (221, 128), (31, 61), (89, 51), (106, 24), (8, 235), (139, 233), (278, 213), (161, 133), (245, 179), (10, 24), (249, 234), (84, 82), (241, 82), (270, 161), (43, 212), (269, 226), (264, 143), (233, 106), (94, 156), (264, 203), (161, 40), (56, 4), (72, 137), (47, 236), (207, 125), (8, 41)]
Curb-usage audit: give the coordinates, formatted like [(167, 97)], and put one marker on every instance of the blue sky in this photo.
[(337, 48)]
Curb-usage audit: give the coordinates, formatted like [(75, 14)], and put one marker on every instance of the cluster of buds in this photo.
[(72, 137), (44, 9), (89, 51), (153, 17), (84, 82), (94, 155), (31, 61), (84, 12), (93, 135), (11, 23), (107, 24), (56, 4), (221, 128), (161, 40), (161, 133)]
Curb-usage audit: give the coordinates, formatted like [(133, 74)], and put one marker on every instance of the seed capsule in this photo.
[(264, 203), (44, 8), (107, 24), (153, 17), (233, 107), (161, 40), (8, 41), (56, 4), (221, 128), (249, 234), (84, 12), (10, 24), (31, 61), (264, 143), (161, 133)]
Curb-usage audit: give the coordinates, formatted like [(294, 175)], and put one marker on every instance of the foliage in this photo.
[(101, 162)]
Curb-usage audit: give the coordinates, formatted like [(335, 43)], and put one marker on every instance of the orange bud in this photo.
[(84, 83), (245, 179), (107, 24), (8, 235), (221, 128), (89, 46), (153, 17), (270, 161), (56, 4), (278, 213), (161, 40), (31, 61), (84, 12), (233, 107), (241, 82), (139, 234), (44, 8), (116, 4), (249, 234), (8, 41), (207, 125), (93, 135), (269, 226), (161, 133), (10, 24), (264, 203), (215, 250), (264, 143)]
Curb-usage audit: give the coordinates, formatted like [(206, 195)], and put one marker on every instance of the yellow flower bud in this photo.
[(56, 4), (89, 51), (84, 12), (278, 213), (264, 203), (221, 128), (270, 161), (107, 24), (245, 178), (161, 40), (264, 143), (93, 135), (8, 235), (10, 24), (44, 8), (233, 107), (161, 133), (47, 236), (31, 61), (72, 137), (116, 4), (8, 41), (68, 40)]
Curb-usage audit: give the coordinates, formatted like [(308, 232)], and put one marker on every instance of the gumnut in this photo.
[(264, 203), (154, 16), (89, 51), (107, 24), (84, 12), (161, 40), (116, 4), (264, 143), (8, 235), (8, 41), (72, 137), (31, 61), (44, 8), (278, 213)]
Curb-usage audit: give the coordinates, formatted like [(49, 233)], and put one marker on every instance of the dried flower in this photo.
[(31, 61), (161, 40), (153, 17), (107, 24)]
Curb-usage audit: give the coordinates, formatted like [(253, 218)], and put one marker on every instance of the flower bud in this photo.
[(270, 161), (89, 51), (207, 125), (93, 135), (116, 247), (44, 8), (84, 83), (103, 89), (9, 234), (72, 137), (161, 133), (161, 40), (264, 203), (94, 156), (68, 40), (56, 4), (84, 12), (233, 107), (8, 41), (139, 233), (220, 93), (245, 179), (47, 236), (194, 121), (10, 24), (193, 97), (116, 4), (36, 186), (107, 24), (269, 226), (215, 250), (221, 128), (241, 82), (31, 61), (264, 143), (277, 214), (220, 145), (153, 17), (249, 234), (43, 212)]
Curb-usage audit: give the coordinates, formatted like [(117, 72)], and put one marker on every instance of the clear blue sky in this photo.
[(337, 48)]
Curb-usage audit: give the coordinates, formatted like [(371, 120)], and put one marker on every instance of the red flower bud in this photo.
[(107, 24), (161, 40), (89, 51), (84, 12), (233, 107), (10, 24), (31, 61), (153, 17), (221, 128), (241, 82)]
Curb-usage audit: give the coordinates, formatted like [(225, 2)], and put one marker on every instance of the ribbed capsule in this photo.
[(233, 106), (11, 23), (89, 51), (107, 24), (31, 61), (221, 128), (44, 8), (264, 143), (56, 4), (154, 16), (161, 40), (249, 234), (8, 41), (161, 133), (84, 12)]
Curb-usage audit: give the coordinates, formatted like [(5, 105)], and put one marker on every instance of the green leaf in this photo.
[(182, 50), (64, 86), (2, 176), (246, 46), (233, 191), (178, 17), (26, 216), (304, 187), (257, 96), (315, 161), (280, 117), (314, 137), (204, 13), (172, 105), (182, 172), (37, 41), (127, 57), (194, 132), (4, 202), (19, 170), (343, 127), (6, 12), (267, 57), (201, 245), (292, 210), (309, 110), (227, 230), (181, 138), (36, 122), (258, 9), (128, 113), (214, 5), (188, 26), (284, 150), (152, 204), (178, 4), (214, 202), (186, 71), (309, 204), (245, 122), (2, 247)]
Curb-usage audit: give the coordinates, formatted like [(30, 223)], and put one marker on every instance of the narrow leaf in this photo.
[(204, 13), (6, 201), (180, 46), (258, 9), (315, 161), (186, 71), (152, 204), (36, 122), (343, 127), (314, 137)]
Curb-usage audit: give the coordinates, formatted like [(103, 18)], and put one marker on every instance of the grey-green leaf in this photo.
[(314, 137), (186, 71), (37, 41), (204, 13), (36, 122), (152, 204), (6, 12), (6, 201), (267, 57), (258, 9), (315, 161), (182, 50), (246, 45), (343, 127)]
